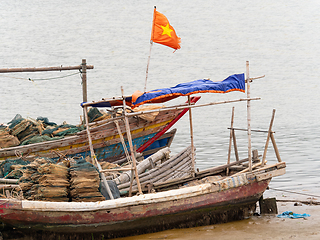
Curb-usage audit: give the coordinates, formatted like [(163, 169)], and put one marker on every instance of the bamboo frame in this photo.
[(180, 107)]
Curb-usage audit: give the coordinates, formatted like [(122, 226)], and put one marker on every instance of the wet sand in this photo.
[(266, 226)]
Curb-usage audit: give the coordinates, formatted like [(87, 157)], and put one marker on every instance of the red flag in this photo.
[(163, 32)]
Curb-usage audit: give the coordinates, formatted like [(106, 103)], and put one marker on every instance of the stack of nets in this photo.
[(44, 180), (24, 131), (84, 182)]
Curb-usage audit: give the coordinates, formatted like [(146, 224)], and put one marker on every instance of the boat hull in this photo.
[(105, 139), (208, 206)]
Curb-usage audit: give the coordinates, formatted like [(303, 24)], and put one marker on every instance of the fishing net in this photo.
[(9, 165), (7, 140), (45, 180), (24, 131), (93, 114), (84, 182)]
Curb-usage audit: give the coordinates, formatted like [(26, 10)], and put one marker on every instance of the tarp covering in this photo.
[(234, 82)]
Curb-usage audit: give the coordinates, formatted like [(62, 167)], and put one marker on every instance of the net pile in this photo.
[(24, 131), (84, 182), (44, 180)]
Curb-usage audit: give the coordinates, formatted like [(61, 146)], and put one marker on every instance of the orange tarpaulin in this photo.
[(163, 32)]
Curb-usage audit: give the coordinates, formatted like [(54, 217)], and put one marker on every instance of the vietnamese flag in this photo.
[(163, 32)]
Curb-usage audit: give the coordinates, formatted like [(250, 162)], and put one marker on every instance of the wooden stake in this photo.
[(130, 143), (230, 140), (191, 137), (249, 117)]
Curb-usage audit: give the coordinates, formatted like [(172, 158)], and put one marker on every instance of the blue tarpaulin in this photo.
[(290, 214), (234, 82)]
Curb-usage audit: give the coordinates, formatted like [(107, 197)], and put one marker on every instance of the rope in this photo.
[(40, 79), (309, 195)]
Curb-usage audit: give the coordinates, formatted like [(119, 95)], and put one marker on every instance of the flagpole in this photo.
[(147, 71), (151, 44)]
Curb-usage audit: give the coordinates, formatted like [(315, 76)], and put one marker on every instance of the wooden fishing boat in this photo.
[(218, 194), (106, 140), (210, 202)]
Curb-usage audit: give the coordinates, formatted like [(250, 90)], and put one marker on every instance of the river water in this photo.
[(278, 38)]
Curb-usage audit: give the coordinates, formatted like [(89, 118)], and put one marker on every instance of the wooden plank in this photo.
[(271, 174)]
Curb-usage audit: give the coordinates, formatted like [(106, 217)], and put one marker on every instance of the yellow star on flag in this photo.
[(166, 30)]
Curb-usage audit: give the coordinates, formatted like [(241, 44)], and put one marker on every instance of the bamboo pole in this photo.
[(132, 173), (143, 165), (191, 137), (130, 143), (84, 80), (43, 69), (249, 117), (252, 130), (115, 169), (12, 181), (93, 156), (230, 140), (275, 147), (147, 70), (122, 141), (235, 145), (268, 138)]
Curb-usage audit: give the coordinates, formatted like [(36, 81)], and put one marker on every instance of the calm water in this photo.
[(279, 38)]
